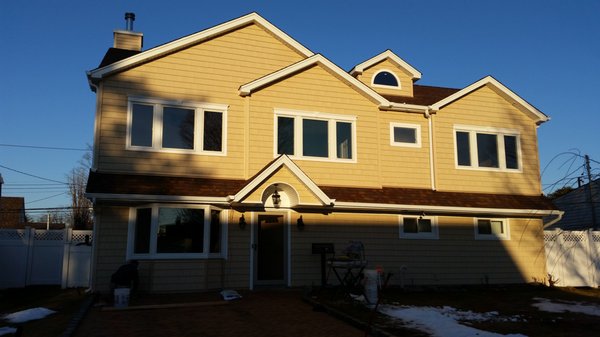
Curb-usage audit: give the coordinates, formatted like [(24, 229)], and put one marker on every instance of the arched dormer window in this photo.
[(386, 78)]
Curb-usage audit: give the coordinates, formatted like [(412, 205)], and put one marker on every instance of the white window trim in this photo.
[(417, 128), (399, 87), (331, 120), (503, 236), (157, 127), (433, 235), (499, 133), (153, 255)]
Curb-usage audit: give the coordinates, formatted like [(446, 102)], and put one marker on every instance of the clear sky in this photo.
[(548, 52)]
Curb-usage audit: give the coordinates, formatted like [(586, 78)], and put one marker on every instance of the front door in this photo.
[(270, 250)]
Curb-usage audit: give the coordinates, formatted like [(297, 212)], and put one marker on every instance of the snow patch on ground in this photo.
[(28, 315), (545, 304), (5, 330), (445, 321)]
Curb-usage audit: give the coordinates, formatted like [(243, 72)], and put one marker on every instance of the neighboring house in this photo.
[(581, 207), (12, 212), (222, 156)]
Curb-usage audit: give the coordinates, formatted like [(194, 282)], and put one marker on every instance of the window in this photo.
[(408, 135), (418, 227), (158, 125), (158, 232), (315, 136), (487, 148), (491, 229), (386, 78)]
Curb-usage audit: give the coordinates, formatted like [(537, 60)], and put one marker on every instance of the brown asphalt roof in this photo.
[(110, 183), (116, 54), (423, 95)]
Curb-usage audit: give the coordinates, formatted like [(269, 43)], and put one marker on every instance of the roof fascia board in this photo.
[(198, 37), (378, 58), (491, 81), (283, 160), (444, 209), (248, 88)]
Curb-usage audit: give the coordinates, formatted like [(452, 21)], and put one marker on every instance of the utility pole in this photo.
[(589, 191)]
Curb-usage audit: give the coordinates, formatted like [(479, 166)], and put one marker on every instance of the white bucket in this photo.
[(371, 283), (121, 297)]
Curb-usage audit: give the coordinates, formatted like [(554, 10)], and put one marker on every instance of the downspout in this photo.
[(429, 117), (559, 216)]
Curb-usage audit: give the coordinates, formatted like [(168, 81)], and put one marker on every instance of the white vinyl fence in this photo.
[(573, 257), (44, 257)]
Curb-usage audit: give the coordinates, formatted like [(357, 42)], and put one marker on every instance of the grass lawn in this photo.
[(65, 302), (508, 301)]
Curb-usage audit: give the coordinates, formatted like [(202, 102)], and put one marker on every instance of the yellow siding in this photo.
[(485, 108), (455, 258), (404, 166), (406, 82), (210, 72), (169, 275), (316, 90)]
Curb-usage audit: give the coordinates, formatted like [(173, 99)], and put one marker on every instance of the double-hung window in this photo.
[(491, 229), (313, 135), (418, 227), (160, 125), (487, 148), (166, 232)]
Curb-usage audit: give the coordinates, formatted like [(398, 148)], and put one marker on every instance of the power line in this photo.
[(33, 175), (44, 147), (52, 196)]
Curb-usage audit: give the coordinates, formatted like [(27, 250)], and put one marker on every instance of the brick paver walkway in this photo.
[(262, 313)]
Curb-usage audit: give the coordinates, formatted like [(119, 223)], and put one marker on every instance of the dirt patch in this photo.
[(508, 301)]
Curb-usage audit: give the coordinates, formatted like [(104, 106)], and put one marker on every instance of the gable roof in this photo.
[(282, 160), (388, 54), (193, 39), (489, 80), (248, 88)]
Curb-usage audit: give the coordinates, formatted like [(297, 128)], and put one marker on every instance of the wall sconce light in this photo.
[(276, 198), (300, 223), (242, 222)]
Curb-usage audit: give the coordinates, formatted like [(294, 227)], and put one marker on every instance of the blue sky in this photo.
[(546, 51)]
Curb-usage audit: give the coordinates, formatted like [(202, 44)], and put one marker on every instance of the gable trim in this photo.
[(388, 54), (541, 117), (196, 38), (262, 176), (248, 88)]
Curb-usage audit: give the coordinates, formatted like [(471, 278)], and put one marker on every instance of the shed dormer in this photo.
[(387, 74)]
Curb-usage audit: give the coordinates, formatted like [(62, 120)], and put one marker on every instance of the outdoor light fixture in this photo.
[(300, 223), (242, 222), (276, 197)]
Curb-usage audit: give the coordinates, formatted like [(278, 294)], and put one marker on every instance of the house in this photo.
[(581, 207), (12, 212), (221, 157)]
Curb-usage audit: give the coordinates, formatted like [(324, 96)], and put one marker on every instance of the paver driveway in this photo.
[(261, 313)]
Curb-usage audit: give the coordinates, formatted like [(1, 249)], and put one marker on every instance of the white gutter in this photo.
[(405, 107), (441, 209), (559, 216)]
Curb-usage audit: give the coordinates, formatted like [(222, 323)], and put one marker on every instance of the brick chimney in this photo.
[(128, 39)]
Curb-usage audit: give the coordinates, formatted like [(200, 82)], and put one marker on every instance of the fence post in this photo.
[(29, 243), (66, 257)]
